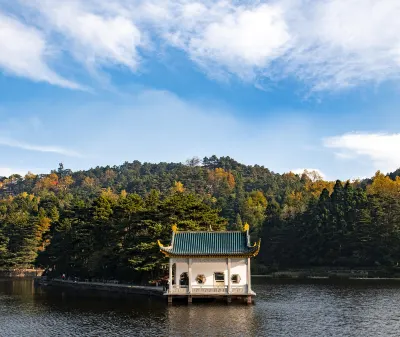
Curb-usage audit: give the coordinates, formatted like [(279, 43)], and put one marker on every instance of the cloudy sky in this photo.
[(288, 84)]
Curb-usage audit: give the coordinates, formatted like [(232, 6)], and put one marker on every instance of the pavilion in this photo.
[(210, 264)]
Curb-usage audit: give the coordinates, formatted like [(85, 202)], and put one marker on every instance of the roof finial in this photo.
[(246, 227), (174, 227)]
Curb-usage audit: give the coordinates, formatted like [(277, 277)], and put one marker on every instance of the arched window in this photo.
[(184, 279)]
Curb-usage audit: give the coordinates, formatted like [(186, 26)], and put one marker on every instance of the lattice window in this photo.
[(219, 277), (200, 279), (235, 278)]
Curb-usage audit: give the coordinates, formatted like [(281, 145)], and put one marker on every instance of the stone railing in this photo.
[(179, 290), (209, 290), (239, 289)]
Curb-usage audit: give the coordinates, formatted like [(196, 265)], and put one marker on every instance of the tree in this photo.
[(238, 225), (105, 222), (178, 187), (254, 208), (192, 162), (384, 186), (3, 248)]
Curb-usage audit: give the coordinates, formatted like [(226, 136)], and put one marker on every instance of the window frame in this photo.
[(220, 273), (238, 278)]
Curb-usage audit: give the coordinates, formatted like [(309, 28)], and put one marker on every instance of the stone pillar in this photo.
[(170, 276), (249, 300), (248, 276), (190, 275), (228, 262)]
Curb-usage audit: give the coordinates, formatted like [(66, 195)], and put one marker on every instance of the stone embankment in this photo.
[(108, 287)]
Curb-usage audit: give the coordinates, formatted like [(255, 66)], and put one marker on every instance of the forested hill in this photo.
[(105, 221)]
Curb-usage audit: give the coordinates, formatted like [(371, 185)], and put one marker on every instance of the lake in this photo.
[(282, 308)]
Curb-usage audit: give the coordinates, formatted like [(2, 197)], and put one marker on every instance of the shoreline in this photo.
[(104, 287), (158, 292), (332, 278), (360, 273), (23, 272)]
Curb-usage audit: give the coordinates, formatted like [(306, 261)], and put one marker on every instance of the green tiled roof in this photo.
[(210, 243)]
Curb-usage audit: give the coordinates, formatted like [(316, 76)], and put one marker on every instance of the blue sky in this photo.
[(287, 84)]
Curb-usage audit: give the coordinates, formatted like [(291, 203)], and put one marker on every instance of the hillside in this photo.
[(105, 221)]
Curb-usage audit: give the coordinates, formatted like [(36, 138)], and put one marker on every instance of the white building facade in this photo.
[(210, 264)]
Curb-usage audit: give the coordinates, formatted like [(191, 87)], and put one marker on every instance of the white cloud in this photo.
[(380, 148), (92, 36), (24, 53), (40, 148), (327, 44), (238, 39), (343, 43), (310, 172)]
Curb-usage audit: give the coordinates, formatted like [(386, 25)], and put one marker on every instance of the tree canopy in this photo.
[(105, 222)]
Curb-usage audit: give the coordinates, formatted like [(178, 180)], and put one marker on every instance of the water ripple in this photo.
[(281, 310)]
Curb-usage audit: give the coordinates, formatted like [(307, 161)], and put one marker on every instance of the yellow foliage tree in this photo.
[(316, 187), (109, 194), (43, 226), (30, 175), (219, 176), (257, 199), (89, 182), (48, 182), (383, 185), (123, 194), (289, 175), (230, 180), (65, 182), (254, 208), (178, 187)]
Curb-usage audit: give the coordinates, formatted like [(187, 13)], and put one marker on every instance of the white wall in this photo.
[(239, 266), (208, 267), (181, 267)]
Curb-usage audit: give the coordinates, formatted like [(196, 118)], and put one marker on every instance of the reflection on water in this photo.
[(205, 319), (282, 309)]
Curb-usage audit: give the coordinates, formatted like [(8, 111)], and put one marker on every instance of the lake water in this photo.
[(281, 309)]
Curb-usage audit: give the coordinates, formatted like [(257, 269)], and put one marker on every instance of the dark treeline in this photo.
[(348, 228), (105, 222)]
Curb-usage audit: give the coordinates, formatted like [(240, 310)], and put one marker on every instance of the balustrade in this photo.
[(209, 290)]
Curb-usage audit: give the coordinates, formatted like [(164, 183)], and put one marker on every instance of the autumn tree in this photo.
[(178, 187), (253, 209)]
